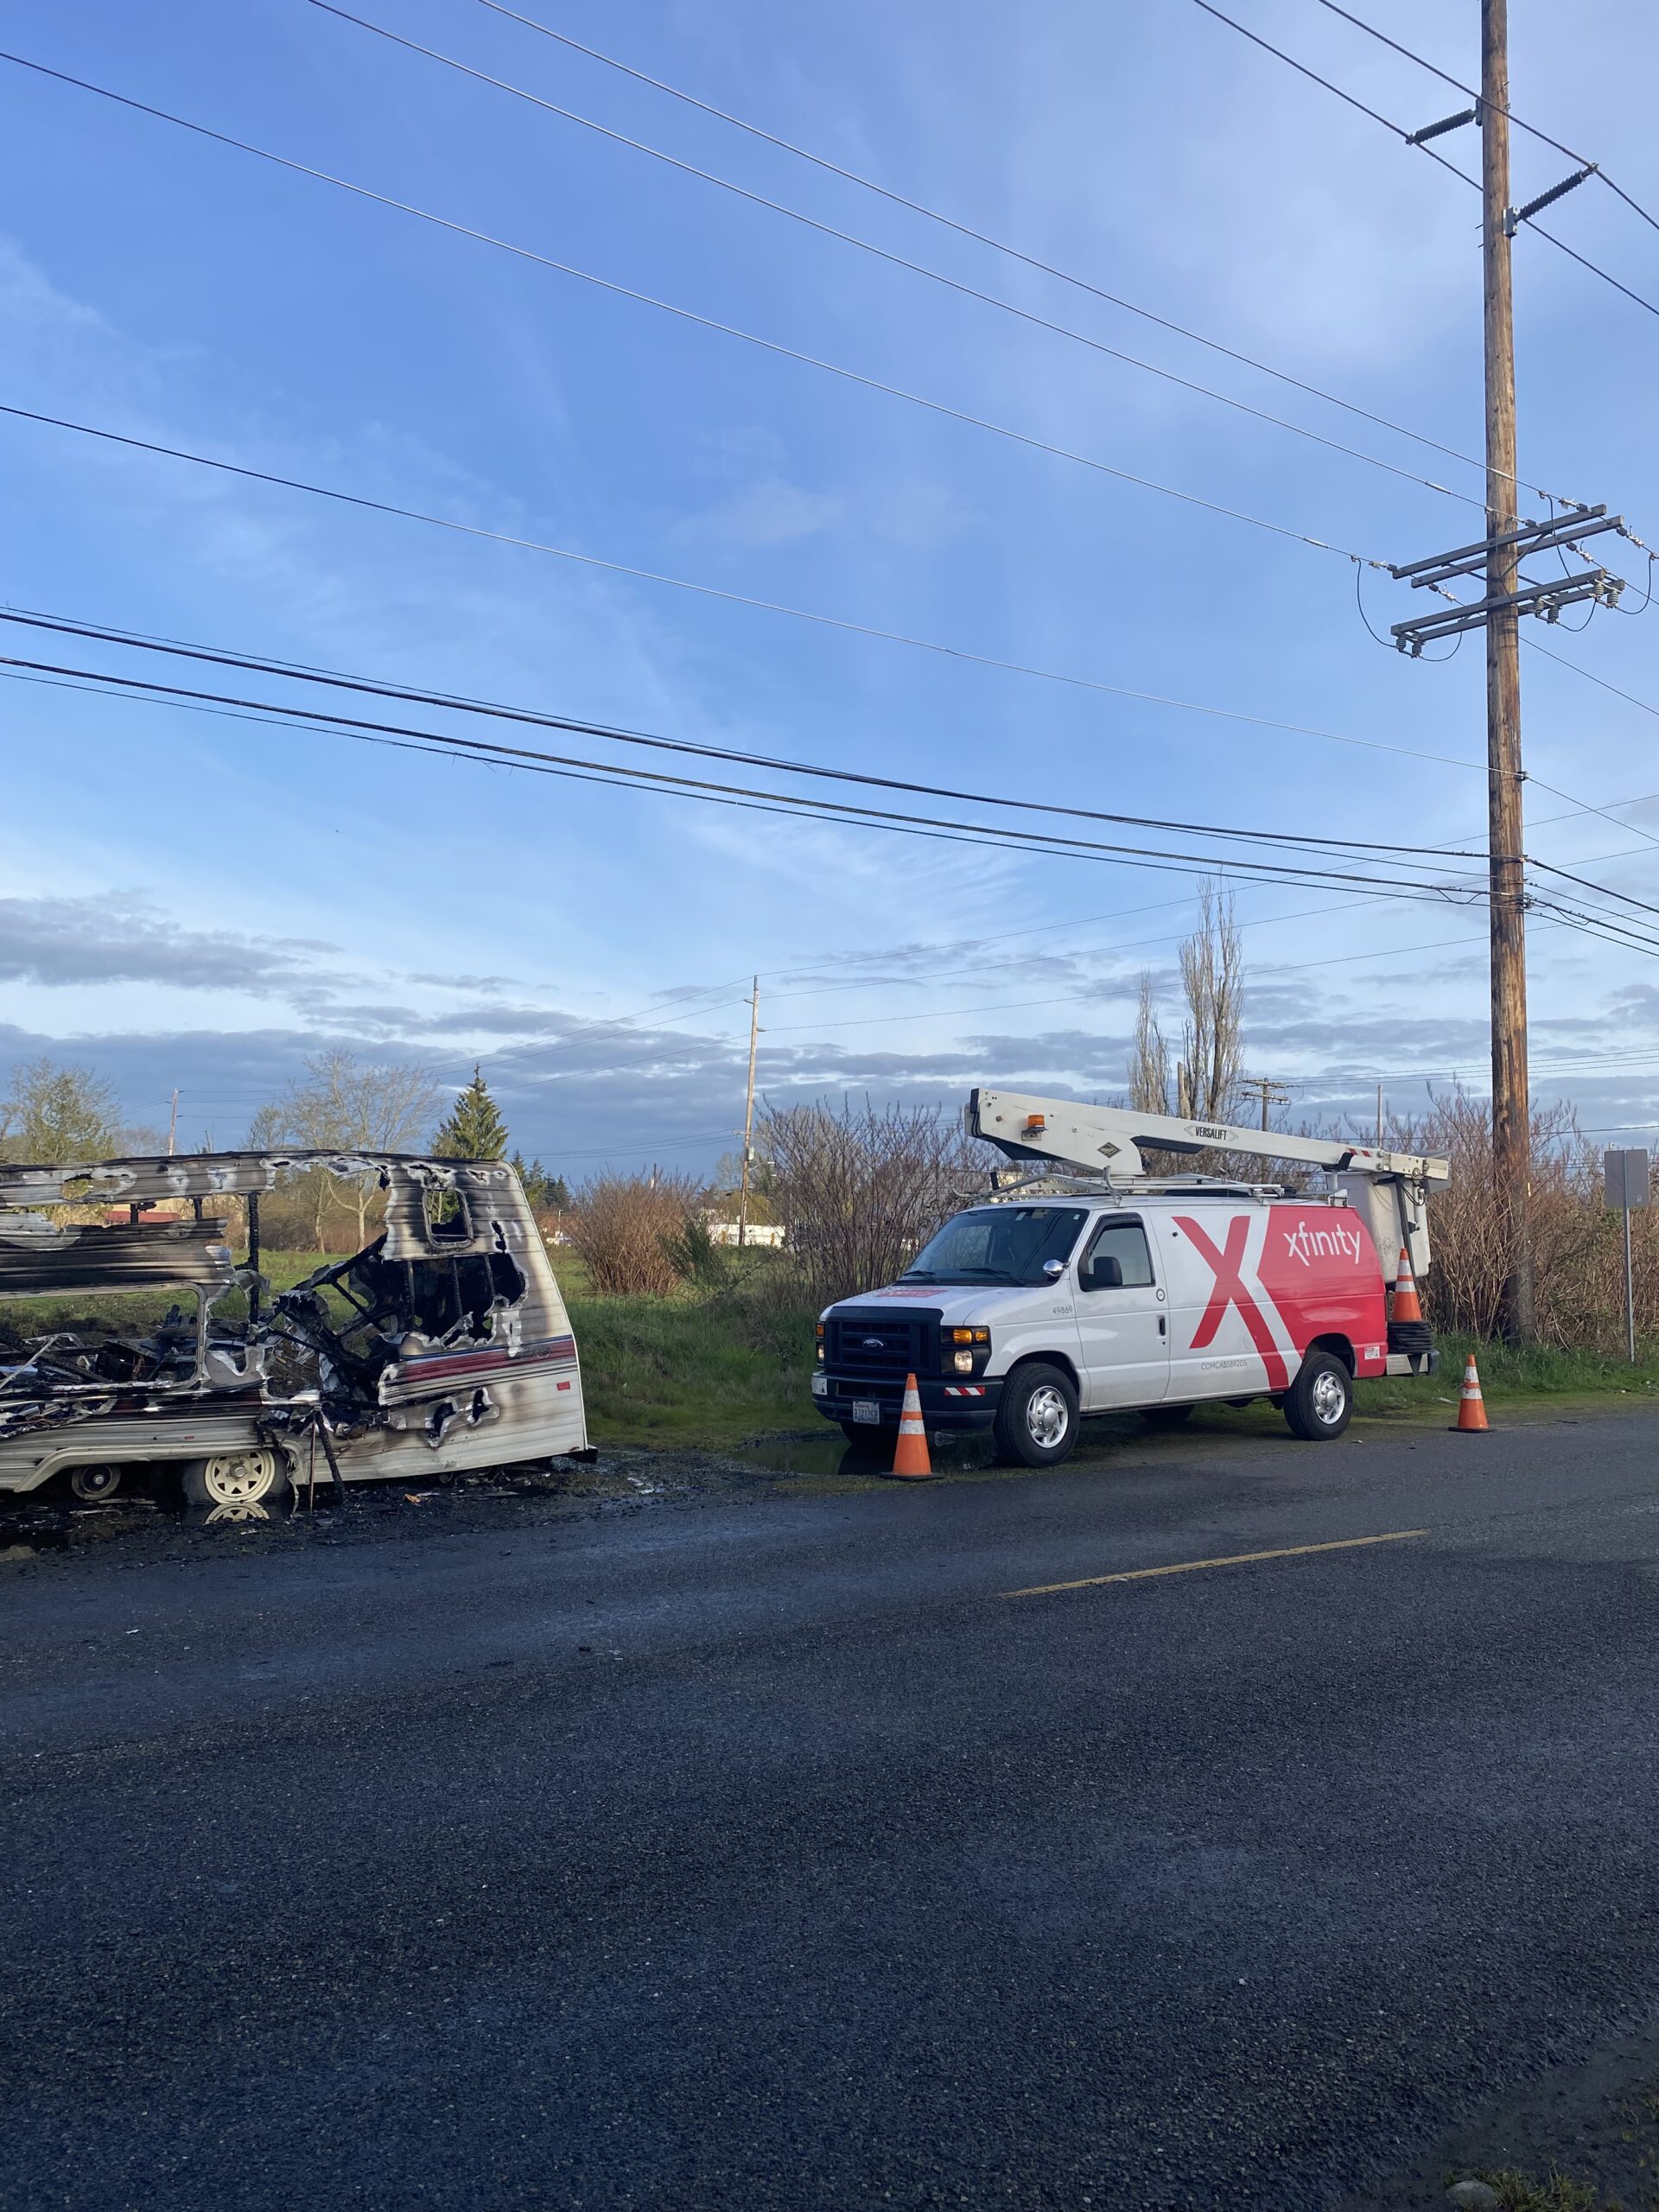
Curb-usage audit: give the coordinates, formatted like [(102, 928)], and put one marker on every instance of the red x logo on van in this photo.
[(1226, 1262)]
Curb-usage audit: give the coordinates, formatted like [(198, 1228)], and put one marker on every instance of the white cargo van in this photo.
[(1061, 1298)]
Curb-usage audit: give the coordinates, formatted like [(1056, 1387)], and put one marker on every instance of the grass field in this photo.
[(720, 1370)]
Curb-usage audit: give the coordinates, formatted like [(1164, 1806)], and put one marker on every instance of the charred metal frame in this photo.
[(455, 1346)]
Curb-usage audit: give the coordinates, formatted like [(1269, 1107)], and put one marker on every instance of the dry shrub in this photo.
[(860, 1190), (1578, 1244), (625, 1227)]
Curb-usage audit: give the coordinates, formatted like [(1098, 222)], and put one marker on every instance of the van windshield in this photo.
[(997, 1244)]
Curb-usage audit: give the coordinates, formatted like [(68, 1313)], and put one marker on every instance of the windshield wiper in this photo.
[(999, 1274), (918, 1275)]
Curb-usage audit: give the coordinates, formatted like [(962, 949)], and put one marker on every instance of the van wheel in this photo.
[(235, 1479), (1037, 1420), (1165, 1416), (1320, 1402)]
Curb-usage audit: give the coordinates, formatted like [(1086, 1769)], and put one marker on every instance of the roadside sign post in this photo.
[(1627, 1174)]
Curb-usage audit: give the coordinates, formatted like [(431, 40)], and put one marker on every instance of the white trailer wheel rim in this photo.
[(1330, 1398), (1046, 1416), (239, 1478)]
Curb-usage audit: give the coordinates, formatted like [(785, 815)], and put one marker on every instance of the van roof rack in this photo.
[(1122, 1188)]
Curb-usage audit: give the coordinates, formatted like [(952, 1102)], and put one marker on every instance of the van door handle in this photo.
[(1163, 1325)]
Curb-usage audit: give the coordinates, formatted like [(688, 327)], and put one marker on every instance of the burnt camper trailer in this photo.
[(443, 1345)]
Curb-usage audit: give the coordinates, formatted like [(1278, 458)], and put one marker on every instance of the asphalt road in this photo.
[(765, 1853)]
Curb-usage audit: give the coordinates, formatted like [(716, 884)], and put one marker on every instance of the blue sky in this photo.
[(193, 902)]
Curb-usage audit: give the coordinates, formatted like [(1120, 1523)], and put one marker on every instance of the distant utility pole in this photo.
[(748, 1117), (1271, 1093), (1508, 596), (173, 1128)]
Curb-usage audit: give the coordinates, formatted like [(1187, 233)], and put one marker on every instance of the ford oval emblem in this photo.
[(875, 1343)]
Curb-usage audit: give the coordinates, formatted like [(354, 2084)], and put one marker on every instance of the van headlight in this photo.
[(967, 1351)]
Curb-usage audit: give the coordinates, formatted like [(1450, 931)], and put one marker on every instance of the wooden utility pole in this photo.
[(173, 1128), (1511, 1111), (748, 1116), (1271, 1093)]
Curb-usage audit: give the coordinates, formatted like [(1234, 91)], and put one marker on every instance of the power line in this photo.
[(701, 321), (881, 253), (1280, 869), (1283, 872), (1531, 129), (1407, 138), (218, 657), (267, 664), (984, 237), (714, 591)]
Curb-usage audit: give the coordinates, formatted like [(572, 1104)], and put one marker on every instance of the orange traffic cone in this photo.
[(1471, 1407), (1407, 1307), (910, 1458)]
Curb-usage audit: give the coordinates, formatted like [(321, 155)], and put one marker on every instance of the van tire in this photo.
[(1037, 1419), (1320, 1403), (1165, 1416)]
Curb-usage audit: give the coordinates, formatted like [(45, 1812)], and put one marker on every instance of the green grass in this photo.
[(686, 1371), (700, 1371), (1509, 1378)]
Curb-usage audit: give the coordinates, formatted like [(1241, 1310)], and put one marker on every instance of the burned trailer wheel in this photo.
[(90, 1485), (235, 1479)]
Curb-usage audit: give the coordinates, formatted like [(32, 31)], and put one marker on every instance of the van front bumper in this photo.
[(966, 1405)]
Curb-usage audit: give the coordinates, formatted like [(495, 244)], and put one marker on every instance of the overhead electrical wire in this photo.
[(1402, 133), (895, 260), (997, 245), (1282, 868), (266, 664), (335, 680), (1285, 872), (772, 345), (740, 598), (1469, 92)]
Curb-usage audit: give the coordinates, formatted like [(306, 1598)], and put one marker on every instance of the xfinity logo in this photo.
[(1332, 1243)]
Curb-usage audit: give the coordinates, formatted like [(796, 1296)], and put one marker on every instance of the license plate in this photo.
[(867, 1410)]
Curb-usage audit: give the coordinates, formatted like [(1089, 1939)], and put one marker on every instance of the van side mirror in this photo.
[(1104, 1272)]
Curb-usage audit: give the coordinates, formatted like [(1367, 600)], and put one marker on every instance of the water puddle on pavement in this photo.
[(812, 1453)]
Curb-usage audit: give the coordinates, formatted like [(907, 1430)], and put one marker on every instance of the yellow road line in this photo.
[(1236, 1559)]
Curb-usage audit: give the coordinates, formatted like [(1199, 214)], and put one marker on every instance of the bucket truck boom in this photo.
[(1390, 1189)]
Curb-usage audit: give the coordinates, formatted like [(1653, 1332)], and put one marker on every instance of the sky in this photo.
[(193, 902)]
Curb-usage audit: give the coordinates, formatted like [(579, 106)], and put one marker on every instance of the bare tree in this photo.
[(860, 1190), (1149, 1059), (344, 1106), (1212, 978), (1213, 1042), (630, 1231)]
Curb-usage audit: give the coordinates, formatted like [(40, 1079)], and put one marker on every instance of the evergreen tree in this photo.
[(547, 1193), (473, 1128)]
